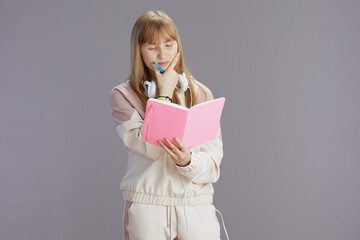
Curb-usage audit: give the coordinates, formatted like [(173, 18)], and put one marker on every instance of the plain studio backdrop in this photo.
[(289, 71)]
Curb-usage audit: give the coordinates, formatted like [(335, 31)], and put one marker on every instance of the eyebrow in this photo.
[(147, 44)]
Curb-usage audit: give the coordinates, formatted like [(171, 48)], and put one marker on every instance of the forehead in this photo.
[(157, 34), (160, 38)]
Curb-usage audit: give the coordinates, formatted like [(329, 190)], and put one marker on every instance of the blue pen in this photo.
[(158, 67)]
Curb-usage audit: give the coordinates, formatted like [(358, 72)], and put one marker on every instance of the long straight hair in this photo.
[(147, 29)]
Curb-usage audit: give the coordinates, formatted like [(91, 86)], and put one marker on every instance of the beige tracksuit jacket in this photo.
[(152, 177)]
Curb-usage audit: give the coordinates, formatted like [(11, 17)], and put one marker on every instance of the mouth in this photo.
[(163, 63)]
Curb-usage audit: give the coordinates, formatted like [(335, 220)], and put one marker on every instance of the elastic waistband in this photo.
[(166, 200)]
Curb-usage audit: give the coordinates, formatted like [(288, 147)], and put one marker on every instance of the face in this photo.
[(162, 52)]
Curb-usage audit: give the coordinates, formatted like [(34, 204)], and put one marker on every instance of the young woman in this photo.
[(168, 190)]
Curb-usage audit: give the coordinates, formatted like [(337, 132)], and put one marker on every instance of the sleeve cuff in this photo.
[(191, 168)]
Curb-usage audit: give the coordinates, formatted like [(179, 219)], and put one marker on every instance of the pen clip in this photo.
[(158, 67)]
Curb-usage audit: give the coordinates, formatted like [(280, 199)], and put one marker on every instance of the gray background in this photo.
[(288, 69)]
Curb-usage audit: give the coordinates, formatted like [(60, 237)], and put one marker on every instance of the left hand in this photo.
[(167, 81), (181, 155)]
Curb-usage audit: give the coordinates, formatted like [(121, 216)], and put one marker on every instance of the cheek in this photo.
[(147, 57), (174, 50)]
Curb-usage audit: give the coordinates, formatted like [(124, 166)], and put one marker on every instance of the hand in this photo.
[(167, 81), (181, 155)]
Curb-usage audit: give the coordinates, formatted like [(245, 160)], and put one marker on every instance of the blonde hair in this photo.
[(147, 29)]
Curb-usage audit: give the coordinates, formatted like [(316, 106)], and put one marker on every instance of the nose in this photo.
[(161, 53)]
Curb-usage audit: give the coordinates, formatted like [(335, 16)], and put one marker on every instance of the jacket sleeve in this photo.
[(129, 125), (205, 161)]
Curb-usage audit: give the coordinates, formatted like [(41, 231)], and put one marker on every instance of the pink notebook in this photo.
[(193, 126)]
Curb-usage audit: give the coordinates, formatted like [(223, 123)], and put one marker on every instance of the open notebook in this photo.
[(193, 126)]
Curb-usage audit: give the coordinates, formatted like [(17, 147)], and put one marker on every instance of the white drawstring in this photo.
[(184, 205), (223, 224)]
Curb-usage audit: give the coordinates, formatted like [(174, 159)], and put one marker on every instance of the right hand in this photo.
[(167, 81)]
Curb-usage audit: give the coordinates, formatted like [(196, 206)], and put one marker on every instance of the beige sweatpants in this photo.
[(154, 222)]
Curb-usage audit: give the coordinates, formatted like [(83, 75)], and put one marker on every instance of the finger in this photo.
[(172, 146), (174, 61), (169, 151), (182, 146)]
